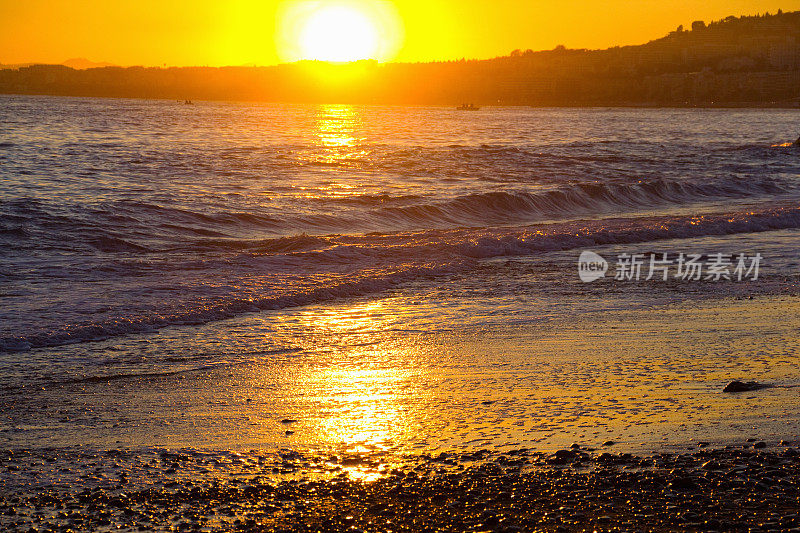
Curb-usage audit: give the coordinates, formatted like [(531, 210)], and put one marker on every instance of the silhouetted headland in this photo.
[(746, 61)]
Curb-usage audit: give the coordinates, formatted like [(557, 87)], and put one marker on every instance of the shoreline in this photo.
[(744, 487), (547, 401)]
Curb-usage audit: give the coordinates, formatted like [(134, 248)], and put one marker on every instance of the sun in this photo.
[(339, 34), (338, 31)]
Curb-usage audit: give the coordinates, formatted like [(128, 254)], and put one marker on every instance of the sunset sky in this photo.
[(202, 32)]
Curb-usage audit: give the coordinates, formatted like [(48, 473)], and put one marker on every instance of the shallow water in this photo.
[(378, 273)]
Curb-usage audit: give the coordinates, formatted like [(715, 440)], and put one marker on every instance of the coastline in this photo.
[(646, 377), (743, 478)]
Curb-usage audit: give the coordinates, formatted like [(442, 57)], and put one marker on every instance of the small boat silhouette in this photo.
[(468, 107)]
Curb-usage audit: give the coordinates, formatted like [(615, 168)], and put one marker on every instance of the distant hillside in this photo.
[(747, 61), (78, 63), (81, 63)]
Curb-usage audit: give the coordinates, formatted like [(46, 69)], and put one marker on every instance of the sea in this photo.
[(394, 279)]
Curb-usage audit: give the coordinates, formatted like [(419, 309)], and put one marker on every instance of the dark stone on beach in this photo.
[(605, 458), (760, 444), (575, 446), (740, 386), (288, 421), (682, 483), (561, 457), (609, 443), (487, 402)]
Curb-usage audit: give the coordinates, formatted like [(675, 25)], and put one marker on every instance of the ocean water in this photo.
[(389, 277)]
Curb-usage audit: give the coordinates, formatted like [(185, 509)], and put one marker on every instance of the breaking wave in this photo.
[(378, 262), (137, 227)]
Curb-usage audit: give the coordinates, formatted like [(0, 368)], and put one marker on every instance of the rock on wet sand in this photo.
[(741, 386)]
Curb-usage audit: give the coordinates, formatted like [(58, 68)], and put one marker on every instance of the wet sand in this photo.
[(648, 378), (479, 441)]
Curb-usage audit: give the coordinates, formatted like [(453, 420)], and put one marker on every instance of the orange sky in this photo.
[(236, 32)]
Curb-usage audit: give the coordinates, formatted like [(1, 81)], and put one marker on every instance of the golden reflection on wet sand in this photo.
[(363, 388), (362, 401)]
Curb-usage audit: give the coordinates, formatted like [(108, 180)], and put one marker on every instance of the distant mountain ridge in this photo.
[(81, 63), (78, 63), (737, 61)]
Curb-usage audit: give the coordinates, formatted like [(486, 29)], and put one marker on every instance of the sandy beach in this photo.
[(649, 379), (666, 451)]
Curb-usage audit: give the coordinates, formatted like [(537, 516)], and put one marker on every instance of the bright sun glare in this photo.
[(338, 31), (338, 34)]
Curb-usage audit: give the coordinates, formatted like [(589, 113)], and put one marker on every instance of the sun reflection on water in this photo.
[(361, 408), (360, 393), (336, 125), (339, 146)]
